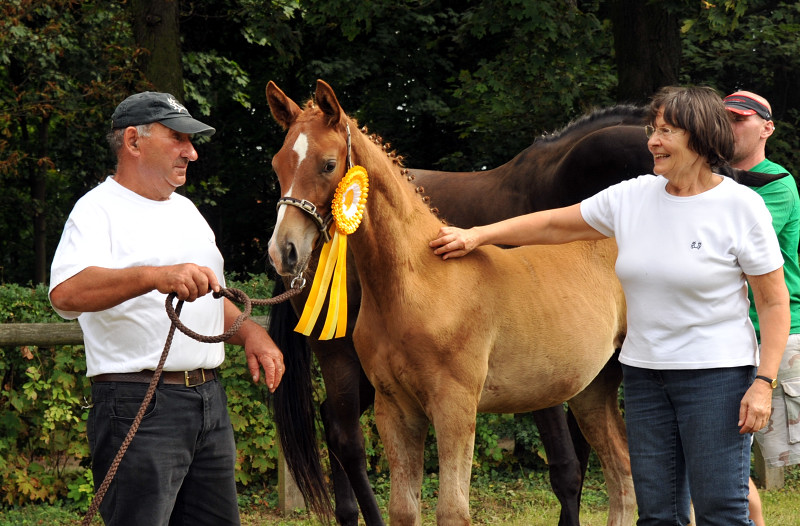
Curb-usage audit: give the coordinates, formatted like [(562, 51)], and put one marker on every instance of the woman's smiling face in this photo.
[(670, 147)]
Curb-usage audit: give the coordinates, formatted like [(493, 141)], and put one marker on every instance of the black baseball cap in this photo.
[(744, 105), (152, 106)]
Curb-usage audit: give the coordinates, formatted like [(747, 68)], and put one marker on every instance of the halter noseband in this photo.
[(323, 223)]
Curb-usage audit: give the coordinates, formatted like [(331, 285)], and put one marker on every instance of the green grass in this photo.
[(523, 502), (532, 503), (35, 515)]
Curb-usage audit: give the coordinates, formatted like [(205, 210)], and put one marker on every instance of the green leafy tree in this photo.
[(752, 46), (549, 62), (61, 64), (451, 85)]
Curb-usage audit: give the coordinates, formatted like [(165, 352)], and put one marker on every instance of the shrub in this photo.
[(44, 453), (42, 409)]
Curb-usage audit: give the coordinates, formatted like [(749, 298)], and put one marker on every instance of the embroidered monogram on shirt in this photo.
[(696, 244)]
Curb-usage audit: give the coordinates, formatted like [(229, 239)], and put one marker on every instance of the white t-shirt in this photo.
[(113, 227), (682, 263)]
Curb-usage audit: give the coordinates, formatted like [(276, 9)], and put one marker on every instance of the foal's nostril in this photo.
[(290, 255)]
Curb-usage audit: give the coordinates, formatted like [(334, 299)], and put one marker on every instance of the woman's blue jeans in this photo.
[(685, 444), (179, 468)]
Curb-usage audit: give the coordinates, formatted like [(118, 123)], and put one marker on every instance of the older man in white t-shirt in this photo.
[(126, 244)]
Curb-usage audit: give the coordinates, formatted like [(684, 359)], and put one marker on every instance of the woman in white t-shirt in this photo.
[(689, 241)]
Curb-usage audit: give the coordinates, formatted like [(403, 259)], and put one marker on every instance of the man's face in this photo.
[(166, 156), (749, 131)]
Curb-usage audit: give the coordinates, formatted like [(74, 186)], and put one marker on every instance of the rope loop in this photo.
[(231, 294), (234, 295)]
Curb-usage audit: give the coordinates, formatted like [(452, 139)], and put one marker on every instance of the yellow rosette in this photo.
[(347, 209)]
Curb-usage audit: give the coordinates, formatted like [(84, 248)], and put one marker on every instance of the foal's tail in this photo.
[(294, 410)]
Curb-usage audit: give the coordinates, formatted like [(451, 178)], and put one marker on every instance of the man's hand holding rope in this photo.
[(259, 348)]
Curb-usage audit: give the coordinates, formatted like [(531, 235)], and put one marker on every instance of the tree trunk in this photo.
[(155, 28), (39, 201), (648, 48)]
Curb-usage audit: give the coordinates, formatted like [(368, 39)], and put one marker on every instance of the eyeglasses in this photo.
[(662, 131)]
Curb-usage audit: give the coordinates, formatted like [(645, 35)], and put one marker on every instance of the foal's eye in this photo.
[(329, 166)]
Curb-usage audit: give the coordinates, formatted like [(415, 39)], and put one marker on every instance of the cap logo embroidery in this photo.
[(696, 244), (177, 106)]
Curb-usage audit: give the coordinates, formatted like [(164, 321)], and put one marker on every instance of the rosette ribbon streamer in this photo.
[(347, 208)]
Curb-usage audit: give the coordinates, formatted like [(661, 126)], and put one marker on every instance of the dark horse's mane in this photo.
[(632, 114), (599, 118)]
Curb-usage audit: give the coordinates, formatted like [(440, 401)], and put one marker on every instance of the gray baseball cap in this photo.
[(152, 106)]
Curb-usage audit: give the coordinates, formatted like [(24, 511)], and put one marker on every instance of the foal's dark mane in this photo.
[(599, 118)]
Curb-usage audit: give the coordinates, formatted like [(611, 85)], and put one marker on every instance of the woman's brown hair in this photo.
[(700, 111)]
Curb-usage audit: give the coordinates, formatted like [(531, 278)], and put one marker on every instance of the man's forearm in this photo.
[(96, 288)]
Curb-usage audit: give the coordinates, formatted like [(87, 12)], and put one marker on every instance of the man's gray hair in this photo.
[(115, 136)]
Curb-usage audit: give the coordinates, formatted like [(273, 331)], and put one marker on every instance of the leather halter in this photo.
[(323, 223)]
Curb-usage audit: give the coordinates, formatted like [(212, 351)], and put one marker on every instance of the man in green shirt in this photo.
[(751, 119)]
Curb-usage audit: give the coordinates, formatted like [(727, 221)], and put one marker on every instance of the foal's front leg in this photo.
[(454, 416), (403, 435)]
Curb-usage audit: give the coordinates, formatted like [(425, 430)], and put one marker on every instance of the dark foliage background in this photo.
[(452, 85)]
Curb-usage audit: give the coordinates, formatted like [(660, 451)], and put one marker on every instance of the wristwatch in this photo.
[(773, 382)]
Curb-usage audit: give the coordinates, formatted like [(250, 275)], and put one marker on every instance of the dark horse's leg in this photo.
[(582, 448), (349, 394), (294, 411), (567, 468)]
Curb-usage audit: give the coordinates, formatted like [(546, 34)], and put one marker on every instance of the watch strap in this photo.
[(773, 382)]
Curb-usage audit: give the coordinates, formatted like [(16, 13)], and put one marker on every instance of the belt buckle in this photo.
[(190, 381)]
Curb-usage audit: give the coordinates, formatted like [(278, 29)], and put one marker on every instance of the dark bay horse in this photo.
[(562, 168), (522, 349)]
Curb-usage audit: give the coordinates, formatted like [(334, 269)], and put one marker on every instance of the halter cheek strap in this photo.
[(323, 223)]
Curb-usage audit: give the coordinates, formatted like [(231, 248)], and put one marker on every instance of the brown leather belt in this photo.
[(187, 378)]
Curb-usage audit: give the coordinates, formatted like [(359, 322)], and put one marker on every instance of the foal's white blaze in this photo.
[(301, 148), (282, 209)]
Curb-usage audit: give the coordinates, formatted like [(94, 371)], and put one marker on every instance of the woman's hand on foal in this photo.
[(452, 242)]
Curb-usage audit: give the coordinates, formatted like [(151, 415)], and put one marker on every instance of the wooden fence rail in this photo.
[(69, 333)]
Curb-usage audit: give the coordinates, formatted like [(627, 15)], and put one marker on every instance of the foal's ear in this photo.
[(283, 109), (328, 103)]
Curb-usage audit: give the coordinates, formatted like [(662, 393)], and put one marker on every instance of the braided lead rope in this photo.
[(174, 313)]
